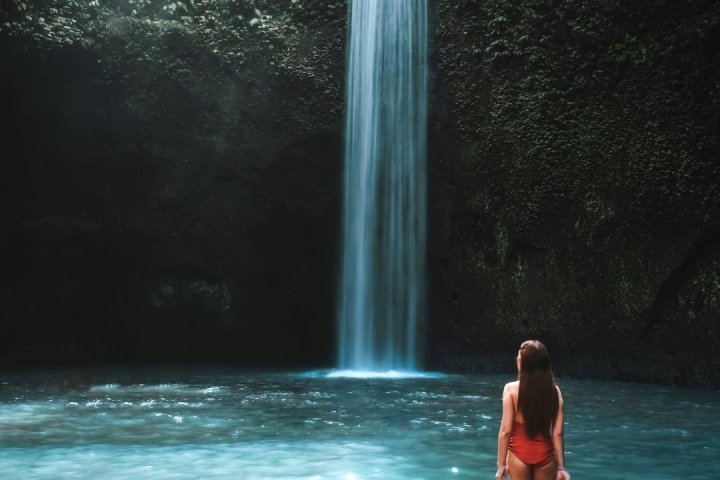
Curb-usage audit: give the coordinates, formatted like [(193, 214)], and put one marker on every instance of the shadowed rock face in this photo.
[(576, 186), (170, 184)]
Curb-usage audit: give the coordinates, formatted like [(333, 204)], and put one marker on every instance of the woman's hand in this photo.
[(502, 473), (562, 475)]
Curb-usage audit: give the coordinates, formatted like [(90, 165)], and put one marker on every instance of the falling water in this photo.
[(382, 291)]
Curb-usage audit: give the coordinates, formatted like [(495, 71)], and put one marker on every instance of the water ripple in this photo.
[(219, 425)]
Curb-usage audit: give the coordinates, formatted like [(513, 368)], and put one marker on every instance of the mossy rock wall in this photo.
[(576, 186), (171, 175), (170, 180)]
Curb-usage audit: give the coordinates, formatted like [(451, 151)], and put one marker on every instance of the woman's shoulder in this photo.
[(512, 386)]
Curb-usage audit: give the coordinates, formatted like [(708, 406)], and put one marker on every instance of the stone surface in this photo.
[(576, 186), (170, 183)]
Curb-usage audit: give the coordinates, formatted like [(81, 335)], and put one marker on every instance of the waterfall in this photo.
[(382, 290)]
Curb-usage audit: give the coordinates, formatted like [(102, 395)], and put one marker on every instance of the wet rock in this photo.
[(574, 186), (170, 182)]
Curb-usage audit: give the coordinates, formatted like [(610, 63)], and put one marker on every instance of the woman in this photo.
[(530, 442)]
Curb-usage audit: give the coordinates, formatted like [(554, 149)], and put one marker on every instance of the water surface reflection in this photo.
[(226, 424)]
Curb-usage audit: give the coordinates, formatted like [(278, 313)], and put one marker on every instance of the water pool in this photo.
[(228, 424)]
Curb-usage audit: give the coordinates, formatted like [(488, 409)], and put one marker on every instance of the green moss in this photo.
[(587, 137), (501, 243)]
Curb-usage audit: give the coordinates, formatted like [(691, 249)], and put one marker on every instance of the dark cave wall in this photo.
[(170, 183), (576, 186)]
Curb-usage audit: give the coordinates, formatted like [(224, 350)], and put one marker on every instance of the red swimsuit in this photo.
[(534, 452)]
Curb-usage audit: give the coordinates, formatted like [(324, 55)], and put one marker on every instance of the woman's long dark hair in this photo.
[(537, 398)]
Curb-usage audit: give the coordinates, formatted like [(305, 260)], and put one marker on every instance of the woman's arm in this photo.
[(508, 414), (557, 440)]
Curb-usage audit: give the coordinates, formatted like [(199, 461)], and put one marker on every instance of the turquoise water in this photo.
[(227, 424)]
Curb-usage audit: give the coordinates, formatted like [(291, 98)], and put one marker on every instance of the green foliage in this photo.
[(69, 21), (629, 48), (587, 138), (298, 39), (58, 22), (226, 28)]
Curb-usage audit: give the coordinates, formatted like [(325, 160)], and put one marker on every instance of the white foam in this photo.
[(390, 374)]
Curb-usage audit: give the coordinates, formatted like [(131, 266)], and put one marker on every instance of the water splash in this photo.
[(383, 274), (390, 374)]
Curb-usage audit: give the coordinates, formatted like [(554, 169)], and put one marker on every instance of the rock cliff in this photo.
[(171, 183)]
